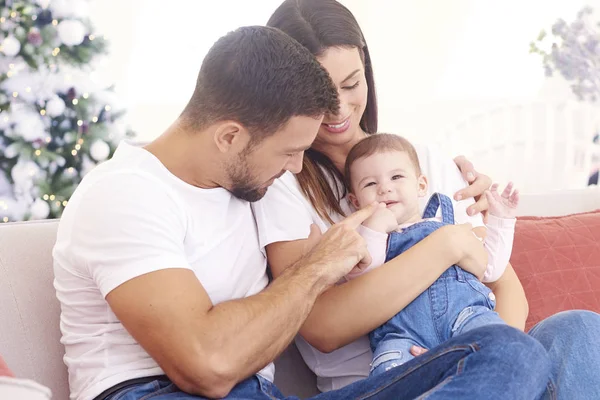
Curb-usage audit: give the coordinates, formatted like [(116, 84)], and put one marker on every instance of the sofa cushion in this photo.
[(29, 309), (558, 261), (4, 370)]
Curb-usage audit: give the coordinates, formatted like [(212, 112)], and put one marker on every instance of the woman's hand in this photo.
[(470, 254), (478, 184)]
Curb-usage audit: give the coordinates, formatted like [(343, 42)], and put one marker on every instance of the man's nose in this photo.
[(294, 165)]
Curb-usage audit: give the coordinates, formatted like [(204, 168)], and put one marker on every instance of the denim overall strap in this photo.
[(440, 200), (436, 201)]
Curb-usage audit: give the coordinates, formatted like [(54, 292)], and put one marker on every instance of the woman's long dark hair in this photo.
[(319, 25)]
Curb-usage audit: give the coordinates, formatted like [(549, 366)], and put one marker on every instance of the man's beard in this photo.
[(242, 182)]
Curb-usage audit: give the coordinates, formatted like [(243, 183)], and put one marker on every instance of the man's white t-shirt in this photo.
[(285, 214), (128, 217)]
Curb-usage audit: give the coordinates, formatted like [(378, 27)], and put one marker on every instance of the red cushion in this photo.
[(558, 261), (4, 371)]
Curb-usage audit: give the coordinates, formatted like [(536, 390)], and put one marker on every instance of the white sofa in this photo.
[(29, 315), (29, 310)]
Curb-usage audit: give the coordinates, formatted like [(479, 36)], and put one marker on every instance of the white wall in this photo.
[(434, 60), (157, 48)]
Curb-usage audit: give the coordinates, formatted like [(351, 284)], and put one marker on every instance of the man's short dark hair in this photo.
[(259, 77)]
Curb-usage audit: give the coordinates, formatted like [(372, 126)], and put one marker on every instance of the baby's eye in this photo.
[(369, 184), (396, 177)]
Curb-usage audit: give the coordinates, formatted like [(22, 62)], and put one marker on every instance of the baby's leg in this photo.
[(392, 351), (473, 317), (392, 341)]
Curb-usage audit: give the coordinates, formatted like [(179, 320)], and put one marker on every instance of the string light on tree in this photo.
[(50, 106)]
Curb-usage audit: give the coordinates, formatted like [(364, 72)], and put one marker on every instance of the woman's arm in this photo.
[(477, 184), (511, 302), (348, 311)]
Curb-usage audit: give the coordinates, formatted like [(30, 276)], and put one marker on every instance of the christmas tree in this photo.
[(56, 122)]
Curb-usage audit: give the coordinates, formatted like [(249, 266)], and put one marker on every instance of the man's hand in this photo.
[(478, 184), (340, 249), (383, 220), (503, 205)]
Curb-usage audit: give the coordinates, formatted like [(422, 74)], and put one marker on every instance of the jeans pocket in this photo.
[(438, 297)]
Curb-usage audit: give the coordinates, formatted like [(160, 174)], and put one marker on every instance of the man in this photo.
[(162, 284)]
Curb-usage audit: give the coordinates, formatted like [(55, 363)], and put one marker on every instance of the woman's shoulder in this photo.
[(427, 152), (286, 185), (432, 159)]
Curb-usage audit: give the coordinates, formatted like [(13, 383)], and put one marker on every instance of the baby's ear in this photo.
[(353, 201), (423, 184)]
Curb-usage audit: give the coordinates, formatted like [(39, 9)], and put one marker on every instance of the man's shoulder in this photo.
[(120, 182), (118, 195)]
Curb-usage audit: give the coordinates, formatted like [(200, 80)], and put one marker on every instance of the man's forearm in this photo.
[(251, 332)]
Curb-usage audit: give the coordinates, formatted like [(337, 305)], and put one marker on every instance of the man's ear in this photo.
[(231, 136), (423, 184), (354, 201)]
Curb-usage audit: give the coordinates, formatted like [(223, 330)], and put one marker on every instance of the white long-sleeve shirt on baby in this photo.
[(498, 244)]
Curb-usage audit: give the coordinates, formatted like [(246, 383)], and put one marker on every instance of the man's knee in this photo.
[(514, 349), (570, 324)]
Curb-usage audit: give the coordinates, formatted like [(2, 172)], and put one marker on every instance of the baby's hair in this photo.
[(379, 143)]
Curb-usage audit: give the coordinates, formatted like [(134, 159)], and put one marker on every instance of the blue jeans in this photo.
[(484, 363), (572, 339), (454, 304)]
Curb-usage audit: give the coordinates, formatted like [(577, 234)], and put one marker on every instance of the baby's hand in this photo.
[(383, 220), (503, 205)]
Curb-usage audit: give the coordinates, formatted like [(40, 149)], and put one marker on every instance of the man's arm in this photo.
[(206, 349)]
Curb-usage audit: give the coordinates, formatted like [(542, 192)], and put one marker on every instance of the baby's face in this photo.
[(389, 178)]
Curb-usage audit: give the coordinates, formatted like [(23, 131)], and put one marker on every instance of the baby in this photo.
[(385, 168)]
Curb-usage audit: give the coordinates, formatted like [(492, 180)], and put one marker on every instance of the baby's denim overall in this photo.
[(455, 303)]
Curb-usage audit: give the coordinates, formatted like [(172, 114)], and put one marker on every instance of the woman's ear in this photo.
[(422, 185), (354, 201)]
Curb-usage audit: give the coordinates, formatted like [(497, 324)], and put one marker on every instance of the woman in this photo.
[(333, 342)]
